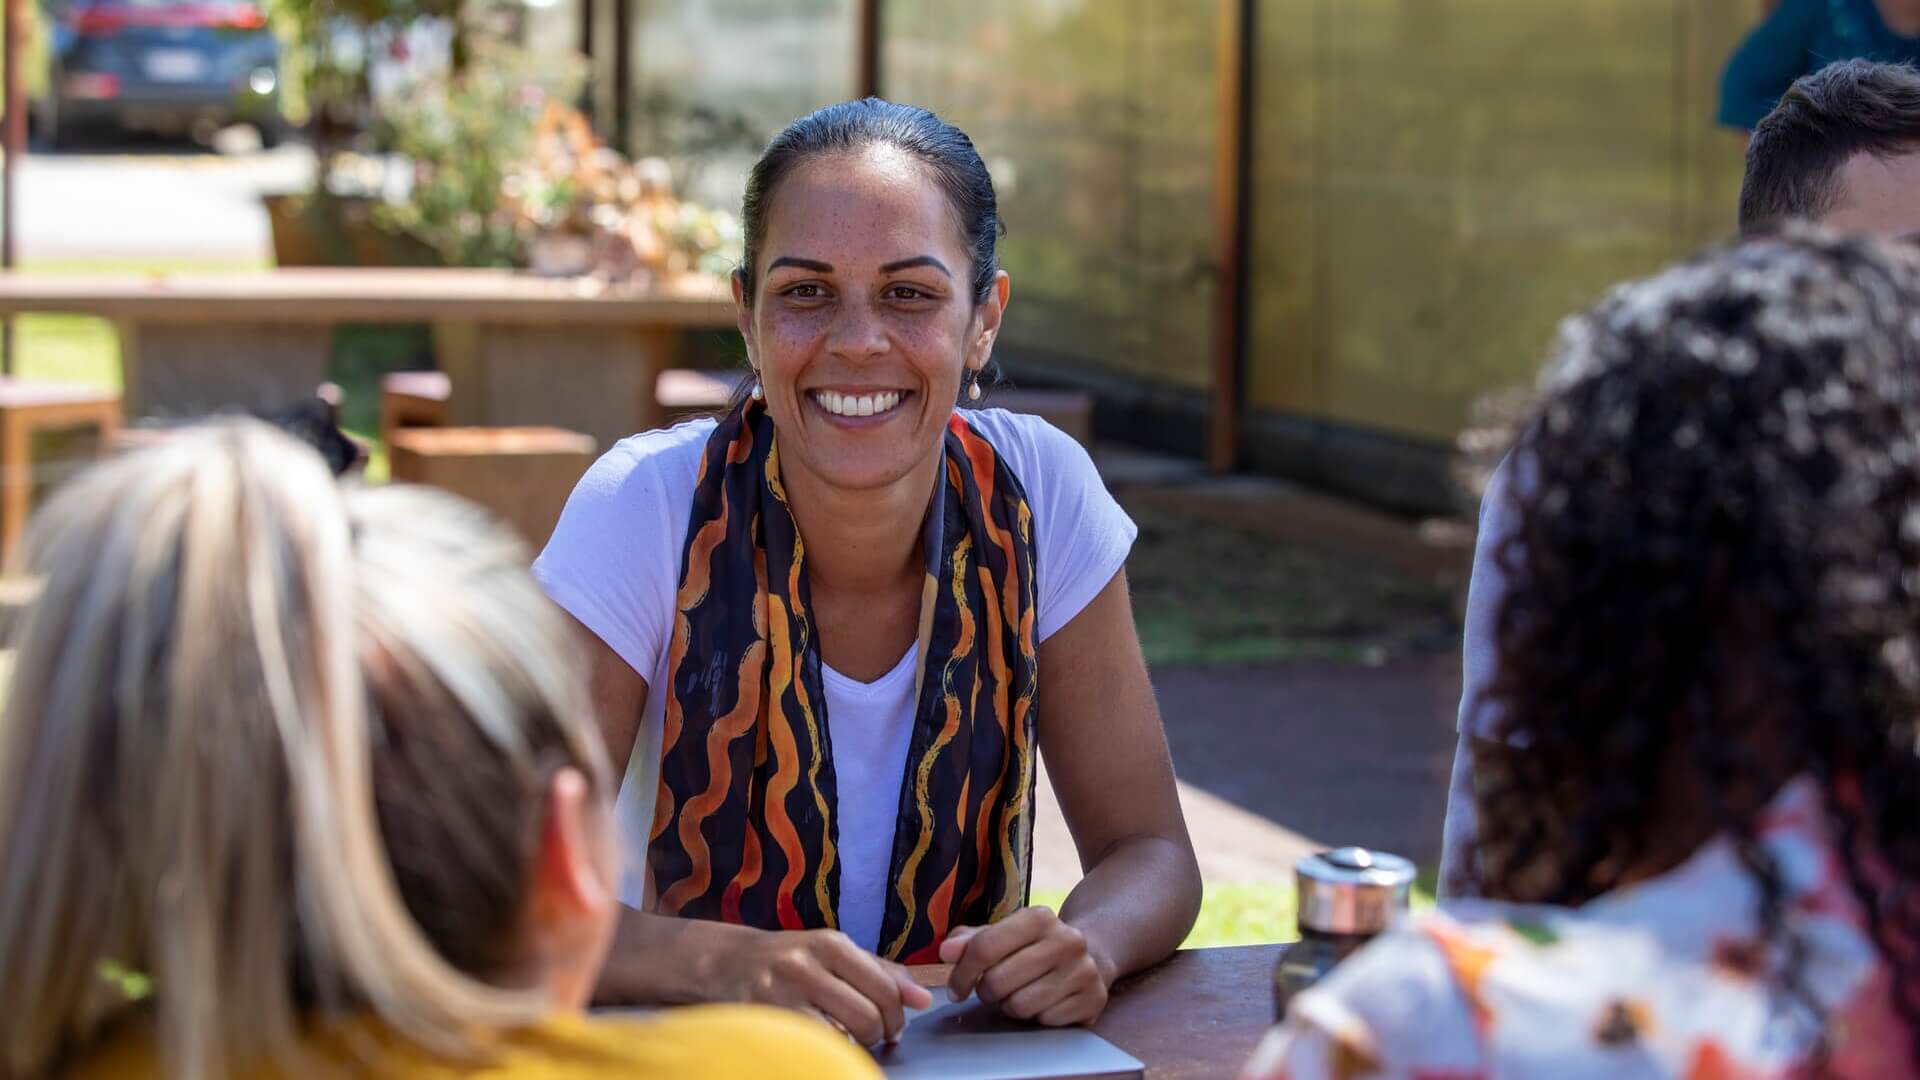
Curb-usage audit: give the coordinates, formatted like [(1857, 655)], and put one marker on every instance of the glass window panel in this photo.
[(713, 80), (1436, 184), (1096, 117)]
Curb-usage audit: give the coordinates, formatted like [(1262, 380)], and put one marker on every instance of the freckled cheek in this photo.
[(788, 340), (935, 352)]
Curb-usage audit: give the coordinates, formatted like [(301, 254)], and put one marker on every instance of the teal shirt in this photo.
[(1800, 38)]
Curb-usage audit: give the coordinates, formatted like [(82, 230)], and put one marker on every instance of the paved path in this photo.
[(162, 203), (1279, 760)]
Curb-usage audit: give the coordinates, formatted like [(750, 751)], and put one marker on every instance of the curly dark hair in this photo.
[(1715, 586)]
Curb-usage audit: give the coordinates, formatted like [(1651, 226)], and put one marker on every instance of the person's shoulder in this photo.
[(1407, 972), (1393, 1006), (714, 1042), (667, 456), (708, 1042), (1021, 436), (1419, 996), (1048, 462), (634, 498)]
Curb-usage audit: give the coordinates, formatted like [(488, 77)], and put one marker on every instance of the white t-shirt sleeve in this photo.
[(1486, 591), (1081, 535), (613, 559)]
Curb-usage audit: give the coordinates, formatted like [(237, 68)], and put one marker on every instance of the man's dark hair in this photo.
[(1846, 108)]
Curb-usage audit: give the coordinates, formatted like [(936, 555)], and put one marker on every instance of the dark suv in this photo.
[(166, 66)]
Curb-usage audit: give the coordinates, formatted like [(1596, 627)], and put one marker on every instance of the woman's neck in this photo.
[(860, 542)]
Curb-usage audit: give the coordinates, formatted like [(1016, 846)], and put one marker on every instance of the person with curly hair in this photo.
[(1701, 861), (1843, 150)]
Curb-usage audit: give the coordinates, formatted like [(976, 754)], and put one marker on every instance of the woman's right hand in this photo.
[(658, 959), (824, 972)]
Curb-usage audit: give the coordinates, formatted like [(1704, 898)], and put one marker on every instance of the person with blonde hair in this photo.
[(297, 780)]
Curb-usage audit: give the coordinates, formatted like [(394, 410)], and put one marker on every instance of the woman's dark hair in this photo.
[(944, 149), (1717, 508)]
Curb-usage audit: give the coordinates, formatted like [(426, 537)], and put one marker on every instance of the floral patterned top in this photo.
[(1666, 978)]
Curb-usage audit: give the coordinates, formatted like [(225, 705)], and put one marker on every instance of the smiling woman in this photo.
[(836, 626)]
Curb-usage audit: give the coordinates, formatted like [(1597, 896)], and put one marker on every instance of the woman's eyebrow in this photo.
[(917, 260), (814, 265)]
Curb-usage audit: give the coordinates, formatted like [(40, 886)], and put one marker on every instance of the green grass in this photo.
[(1239, 914), (1245, 913), (67, 348), (83, 349)]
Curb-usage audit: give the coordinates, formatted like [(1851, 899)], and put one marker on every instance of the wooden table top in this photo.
[(1200, 1014), (367, 294)]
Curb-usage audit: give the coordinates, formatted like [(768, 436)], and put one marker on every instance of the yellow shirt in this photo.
[(708, 1042)]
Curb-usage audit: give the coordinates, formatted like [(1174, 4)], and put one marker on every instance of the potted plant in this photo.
[(459, 138), (327, 51)]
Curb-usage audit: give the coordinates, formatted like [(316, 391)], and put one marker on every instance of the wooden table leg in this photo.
[(108, 419), (594, 379), (128, 332), (183, 370), (16, 482), (456, 351)]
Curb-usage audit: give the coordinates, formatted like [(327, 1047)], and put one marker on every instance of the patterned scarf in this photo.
[(746, 826)]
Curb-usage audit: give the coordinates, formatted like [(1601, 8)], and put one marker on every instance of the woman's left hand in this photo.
[(1030, 965)]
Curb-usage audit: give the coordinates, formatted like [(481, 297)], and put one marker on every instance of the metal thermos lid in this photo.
[(1352, 890)]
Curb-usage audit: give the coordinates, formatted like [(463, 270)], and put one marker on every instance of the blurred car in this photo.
[(166, 66)]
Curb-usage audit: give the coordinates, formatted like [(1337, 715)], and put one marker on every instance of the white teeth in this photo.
[(864, 405)]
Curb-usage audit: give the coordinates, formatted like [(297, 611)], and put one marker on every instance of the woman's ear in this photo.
[(571, 900), (986, 321), (743, 314)]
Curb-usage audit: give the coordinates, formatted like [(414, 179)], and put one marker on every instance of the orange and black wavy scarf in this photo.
[(745, 829)]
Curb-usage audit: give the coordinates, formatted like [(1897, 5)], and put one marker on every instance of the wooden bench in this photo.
[(27, 408), (684, 393), (517, 349), (522, 474), (413, 399)]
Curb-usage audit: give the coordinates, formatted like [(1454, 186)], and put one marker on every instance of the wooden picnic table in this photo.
[(1200, 1014), (519, 349)]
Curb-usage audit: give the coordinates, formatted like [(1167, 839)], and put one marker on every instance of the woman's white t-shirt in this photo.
[(614, 563)]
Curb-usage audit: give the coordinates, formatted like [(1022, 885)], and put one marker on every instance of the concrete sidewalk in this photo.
[(1281, 760), (1277, 759)]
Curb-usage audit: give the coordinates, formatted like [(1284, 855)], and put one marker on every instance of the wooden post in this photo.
[(15, 148), (1231, 166), (585, 11), (621, 132), (866, 45)]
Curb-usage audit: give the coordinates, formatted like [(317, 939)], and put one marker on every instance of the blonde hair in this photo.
[(187, 773)]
